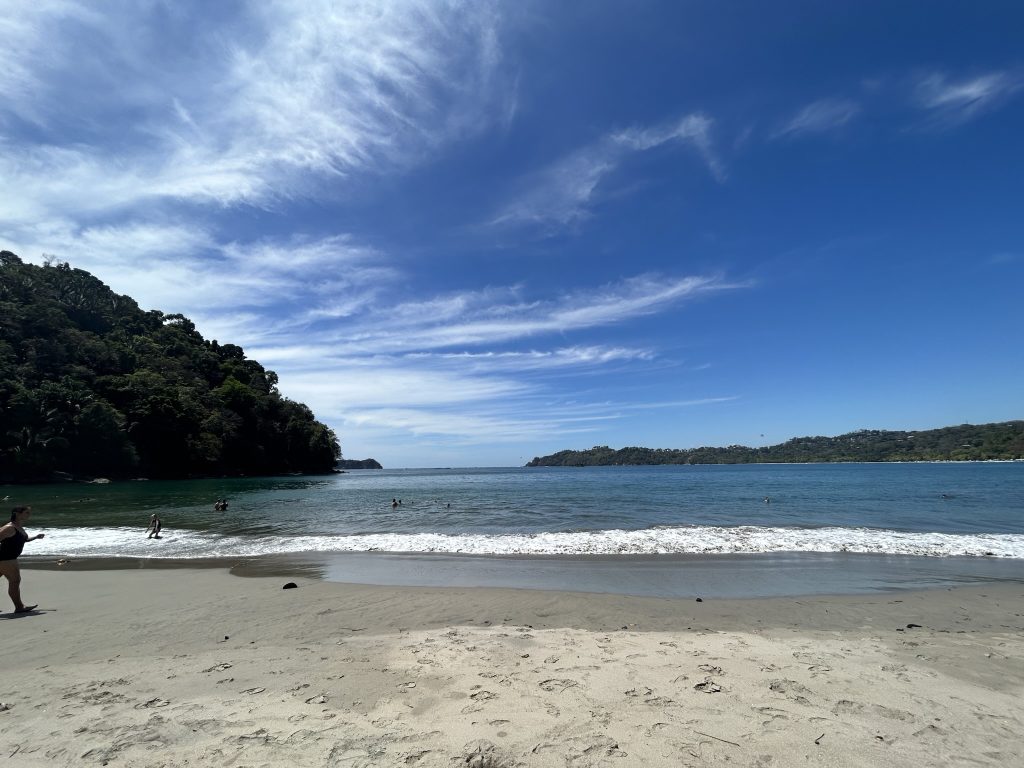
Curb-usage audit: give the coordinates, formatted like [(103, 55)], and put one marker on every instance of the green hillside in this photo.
[(92, 385), (966, 442)]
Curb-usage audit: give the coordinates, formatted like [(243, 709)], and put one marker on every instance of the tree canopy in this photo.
[(90, 385), (966, 442)]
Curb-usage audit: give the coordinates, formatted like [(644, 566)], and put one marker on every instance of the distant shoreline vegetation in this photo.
[(359, 464), (1003, 441), (93, 386)]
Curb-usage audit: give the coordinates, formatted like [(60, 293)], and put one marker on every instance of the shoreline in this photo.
[(191, 666), (429, 605), (746, 575)]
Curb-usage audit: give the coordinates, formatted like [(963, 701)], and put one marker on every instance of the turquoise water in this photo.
[(940, 509)]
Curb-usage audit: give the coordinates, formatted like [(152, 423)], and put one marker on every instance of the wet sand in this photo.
[(160, 667), (666, 575)]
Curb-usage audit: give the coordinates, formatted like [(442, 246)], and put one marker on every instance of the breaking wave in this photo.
[(188, 544)]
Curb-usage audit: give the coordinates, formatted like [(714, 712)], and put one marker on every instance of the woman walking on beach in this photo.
[(12, 540)]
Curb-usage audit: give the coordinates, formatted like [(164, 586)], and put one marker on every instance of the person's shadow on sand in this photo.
[(24, 614)]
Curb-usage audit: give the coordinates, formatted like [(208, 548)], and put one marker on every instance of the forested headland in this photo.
[(966, 442), (91, 385), (359, 464)]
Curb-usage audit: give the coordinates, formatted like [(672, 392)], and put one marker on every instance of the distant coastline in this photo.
[(1002, 441), (358, 464)]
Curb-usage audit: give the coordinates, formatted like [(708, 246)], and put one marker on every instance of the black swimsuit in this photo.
[(11, 547)]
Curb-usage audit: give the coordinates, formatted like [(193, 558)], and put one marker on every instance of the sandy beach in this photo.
[(200, 667)]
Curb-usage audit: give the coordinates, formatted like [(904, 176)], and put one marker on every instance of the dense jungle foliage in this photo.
[(966, 442), (91, 385)]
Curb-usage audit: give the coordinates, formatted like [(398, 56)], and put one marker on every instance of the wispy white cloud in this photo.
[(292, 93), (161, 265), (524, 418), (952, 102), (563, 193), (353, 389), (303, 356), (27, 56), (513, 419), (467, 426), (184, 268), (443, 366), (680, 403), (692, 129), (819, 117), (409, 328), (565, 357)]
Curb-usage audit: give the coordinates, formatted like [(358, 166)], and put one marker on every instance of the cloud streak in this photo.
[(475, 319), (953, 102), (292, 95), (563, 194), (821, 116)]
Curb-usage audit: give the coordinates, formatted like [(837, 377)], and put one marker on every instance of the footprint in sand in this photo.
[(415, 757), (898, 670), (711, 669), (482, 754), (775, 714), (708, 686), (847, 707), (791, 689), (253, 691), (406, 686), (557, 686), (483, 696), (152, 703), (929, 730), (321, 699), (218, 667), (894, 714)]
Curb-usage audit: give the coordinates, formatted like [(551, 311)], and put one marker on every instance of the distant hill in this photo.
[(359, 464), (91, 385), (967, 442)]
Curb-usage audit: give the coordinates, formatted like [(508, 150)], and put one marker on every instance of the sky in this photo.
[(471, 233)]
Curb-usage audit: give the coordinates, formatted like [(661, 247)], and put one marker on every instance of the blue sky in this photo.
[(469, 233)]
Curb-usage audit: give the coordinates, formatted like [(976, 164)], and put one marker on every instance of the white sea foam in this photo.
[(129, 542)]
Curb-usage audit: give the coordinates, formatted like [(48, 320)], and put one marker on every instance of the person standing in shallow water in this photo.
[(12, 539)]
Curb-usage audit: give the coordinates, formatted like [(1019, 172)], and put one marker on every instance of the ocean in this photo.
[(804, 528)]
